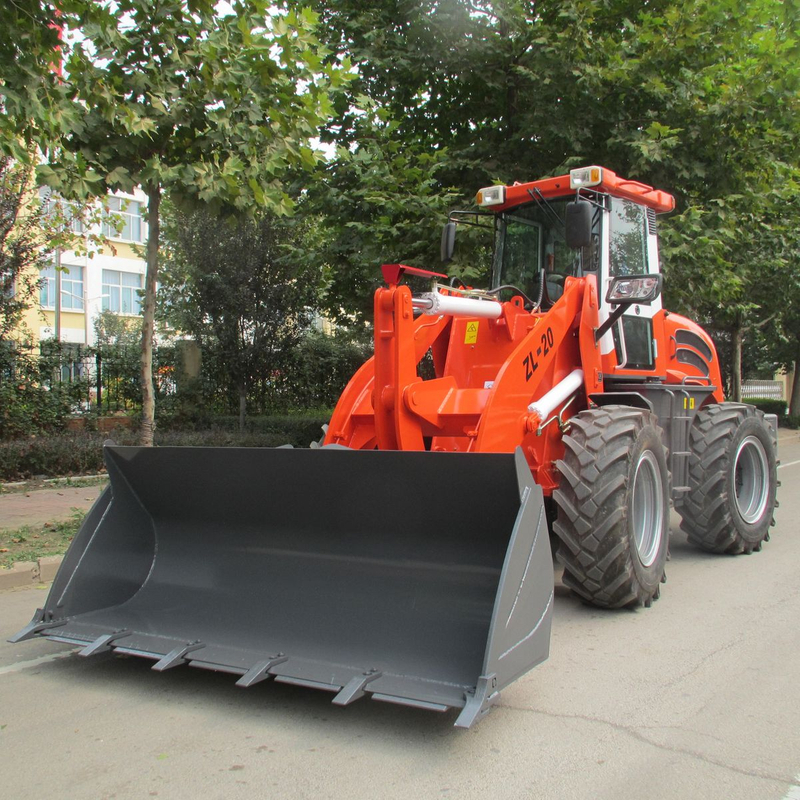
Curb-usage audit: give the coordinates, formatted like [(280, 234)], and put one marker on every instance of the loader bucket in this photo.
[(417, 578)]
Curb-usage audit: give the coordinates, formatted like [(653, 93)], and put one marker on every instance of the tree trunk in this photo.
[(737, 335), (148, 318), (242, 405), (794, 403)]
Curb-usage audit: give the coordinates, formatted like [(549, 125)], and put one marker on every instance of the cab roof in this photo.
[(520, 193)]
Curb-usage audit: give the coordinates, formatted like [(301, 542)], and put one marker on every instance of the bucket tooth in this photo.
[(103, 643), (354, 690), (35, 626), (479, 702), (177, 656), (260, 671)]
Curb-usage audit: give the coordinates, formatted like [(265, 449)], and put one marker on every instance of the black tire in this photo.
[(733, 480), (613, 507)]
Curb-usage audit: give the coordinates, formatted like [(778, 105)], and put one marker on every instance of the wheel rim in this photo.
[(750, 476), (648, 508)]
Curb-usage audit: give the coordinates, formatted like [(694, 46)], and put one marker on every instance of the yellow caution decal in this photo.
[(471, 335)]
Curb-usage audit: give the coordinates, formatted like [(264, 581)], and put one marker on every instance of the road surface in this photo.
[(696, 697)]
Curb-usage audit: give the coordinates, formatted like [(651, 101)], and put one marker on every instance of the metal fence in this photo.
[(770, 390), (51, 381), (102, 379)]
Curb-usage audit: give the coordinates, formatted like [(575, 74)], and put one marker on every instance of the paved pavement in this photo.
[(696, 697), (44, 505)]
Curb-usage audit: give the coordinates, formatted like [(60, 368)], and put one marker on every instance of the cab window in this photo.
[(633, 335), (530, 243), (628, 243)]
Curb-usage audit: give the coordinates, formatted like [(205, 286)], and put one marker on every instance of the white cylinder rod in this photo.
[(436, 304), (548, 403)]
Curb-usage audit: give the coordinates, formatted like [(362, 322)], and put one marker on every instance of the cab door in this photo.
[(631, 249)]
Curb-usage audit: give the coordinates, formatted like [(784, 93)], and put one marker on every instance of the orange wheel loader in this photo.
[(408, 559)]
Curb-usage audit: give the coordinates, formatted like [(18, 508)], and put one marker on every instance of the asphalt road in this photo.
[(696, 697)]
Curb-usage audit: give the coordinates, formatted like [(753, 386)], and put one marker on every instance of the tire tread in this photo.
[(592, 517), (705, 510)]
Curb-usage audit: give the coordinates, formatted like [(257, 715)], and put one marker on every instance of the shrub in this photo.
[(320, 368), (299, 430), (35, 397), (82, 453), (769, 406), (65, 454)]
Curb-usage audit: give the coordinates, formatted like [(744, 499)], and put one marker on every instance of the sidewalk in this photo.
[(44, 505), (34, 509)]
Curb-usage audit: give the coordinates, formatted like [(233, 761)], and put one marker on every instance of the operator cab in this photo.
[(531, 253), (590, 222)]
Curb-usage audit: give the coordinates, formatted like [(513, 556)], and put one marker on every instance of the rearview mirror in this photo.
[(578, 231), (448, 241)]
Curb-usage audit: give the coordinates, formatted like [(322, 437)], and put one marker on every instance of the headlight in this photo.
[(635, 289), (491, 196), (585, 176)]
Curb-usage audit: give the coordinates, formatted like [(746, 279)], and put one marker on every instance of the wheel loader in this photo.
[(408, 559)]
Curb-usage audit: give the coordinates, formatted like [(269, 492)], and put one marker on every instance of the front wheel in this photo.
[(613, 507), (732, 480)]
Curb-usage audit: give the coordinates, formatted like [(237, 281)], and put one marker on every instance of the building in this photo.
[(108, 277)]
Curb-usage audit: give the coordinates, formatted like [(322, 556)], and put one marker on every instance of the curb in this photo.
[(30, 573), (49, 482)]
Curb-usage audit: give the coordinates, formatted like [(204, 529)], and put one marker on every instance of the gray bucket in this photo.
[(417, 578)]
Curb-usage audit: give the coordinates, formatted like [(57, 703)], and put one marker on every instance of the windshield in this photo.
[(530, 242)]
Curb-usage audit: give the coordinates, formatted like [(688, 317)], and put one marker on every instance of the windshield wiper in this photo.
[(541, 201)]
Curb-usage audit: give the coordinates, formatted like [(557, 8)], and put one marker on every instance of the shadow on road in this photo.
[(124, 680)]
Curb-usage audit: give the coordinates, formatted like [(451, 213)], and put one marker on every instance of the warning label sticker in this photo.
[(471, 336)]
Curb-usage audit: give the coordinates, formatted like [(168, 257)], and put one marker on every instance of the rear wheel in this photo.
[(613, 507), (732, 480)]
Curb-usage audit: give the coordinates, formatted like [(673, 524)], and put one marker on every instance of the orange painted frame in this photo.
[(661, 202), (478, 401)]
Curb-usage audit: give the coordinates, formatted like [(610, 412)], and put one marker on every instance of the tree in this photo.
[(698, 98), (20, 247), (783, 332), (725, 262), (382, 203), (209, 108), (229, 286), (113, 330), (29, 78), (666, 90)]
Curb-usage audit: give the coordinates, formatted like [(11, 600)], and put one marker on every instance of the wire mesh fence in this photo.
[(42, 385), (105, 379)]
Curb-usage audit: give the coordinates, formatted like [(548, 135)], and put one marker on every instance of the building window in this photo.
[(121, 292), (124, 220), (53, 205), (7, 287), (71, 287)]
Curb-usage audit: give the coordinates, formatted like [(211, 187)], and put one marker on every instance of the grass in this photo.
[(31, 543)]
